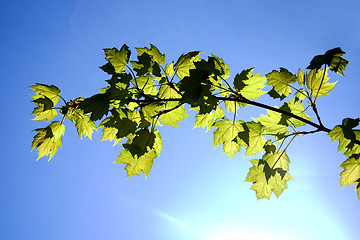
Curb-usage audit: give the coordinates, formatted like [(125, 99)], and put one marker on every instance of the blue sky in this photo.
[(193, 191)]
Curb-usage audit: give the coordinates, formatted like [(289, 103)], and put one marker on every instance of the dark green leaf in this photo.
[(97, 105)]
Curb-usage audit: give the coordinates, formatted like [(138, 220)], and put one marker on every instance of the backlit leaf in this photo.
[(256, 141), (281, 80), (185, 63), (85, 126), (318, 79), (174, 116), (331, 58), (153, 52), (271, 121), (118, 59), (45, 91), (226, 131), (351, 171), (249, 85), (48, 139), (134, 164)]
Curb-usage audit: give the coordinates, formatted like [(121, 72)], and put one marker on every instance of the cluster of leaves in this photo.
[(147, 93)]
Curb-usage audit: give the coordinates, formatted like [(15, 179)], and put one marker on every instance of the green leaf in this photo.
[(277, 160), (208, 119), (174, 116), (264, 185), (351, 172), (353, 148), (301, 77), (85, 126), (256, 141), (153, 52), (337, 134), (134, 164), (157, 142), (278, 183), (168, 91), (44, 110), (301, 94), (97, 105), (318, 79), (346, 136), (221, 66), (271, 121), (108, 68), (185, 63), (261, 187), (48, 139), (125, 127), (255, 171), (249, 85), (331, 58), (226, 131), (118, 59), (296, 108), (230, 148), (46, 91), (197, 91), (142, 142), (169, 69), (281, 80), (152, 110), (146, 65), (109, 133), (146, 85)]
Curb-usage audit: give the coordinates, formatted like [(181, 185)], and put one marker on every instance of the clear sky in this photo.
[(193, 191)]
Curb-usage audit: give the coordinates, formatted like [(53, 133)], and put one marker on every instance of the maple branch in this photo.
[(319, 127)]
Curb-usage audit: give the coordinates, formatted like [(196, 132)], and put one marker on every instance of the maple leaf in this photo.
[(174, 116), (146, 65), (42, 90), (277, 160), (249, 85), (48, 139), (221, 66), (351, 171), (142, 142), (346, 136), (169, 69), (208, 119), (271, 121), (278, 183), (146, 85), (261, 187), (266, 180), (281, 80), (252, 137), (296, 108), (153, 52), (110, 134), (168, 90), (254, 171), (85, 126), (118, 59), (134, 164), (44, 110), (230, 148), (185, 63), (97, 105), (318, 79), (226, 131), (331, 58)]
